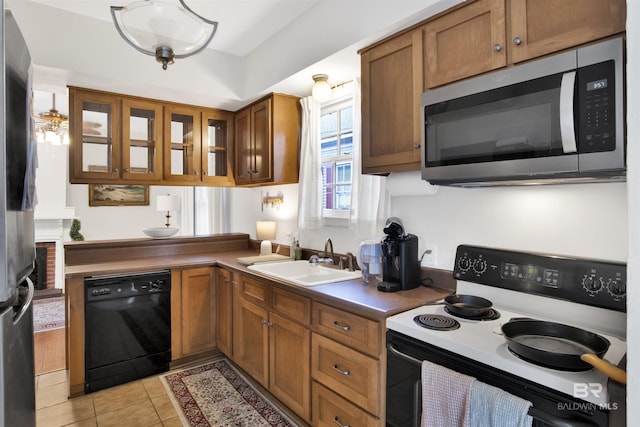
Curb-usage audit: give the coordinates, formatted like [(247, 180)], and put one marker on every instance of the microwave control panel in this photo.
[(596, 97)]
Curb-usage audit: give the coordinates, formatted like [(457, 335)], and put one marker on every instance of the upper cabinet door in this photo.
[(465, 42), (392, 81), (182, 144), (254, 144), (262, 149), (217, 140), (542, 27), (95, 136), (141, 140)]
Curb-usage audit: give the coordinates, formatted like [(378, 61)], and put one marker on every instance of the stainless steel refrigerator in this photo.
[(17, 243)]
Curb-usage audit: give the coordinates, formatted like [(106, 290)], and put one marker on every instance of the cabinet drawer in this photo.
[(291, 305), (330, 410), (255, 291), (347, 328), (347, 372)]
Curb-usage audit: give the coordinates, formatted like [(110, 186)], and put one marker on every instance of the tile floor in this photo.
[(140, 403)]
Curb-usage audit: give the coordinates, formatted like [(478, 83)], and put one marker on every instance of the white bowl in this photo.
[(160, 232)]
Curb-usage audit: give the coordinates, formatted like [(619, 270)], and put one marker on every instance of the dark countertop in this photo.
[(352, 295)]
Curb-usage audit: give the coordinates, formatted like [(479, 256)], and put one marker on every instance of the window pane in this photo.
[(343, 197), (346, 119), (328, 148), (343, 173), (346, 144), (328, 124)]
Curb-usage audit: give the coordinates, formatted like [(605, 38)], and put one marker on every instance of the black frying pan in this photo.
[(559, 346), (467, 305)]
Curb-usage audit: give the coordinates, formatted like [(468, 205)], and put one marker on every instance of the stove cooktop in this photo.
[(483, 341)]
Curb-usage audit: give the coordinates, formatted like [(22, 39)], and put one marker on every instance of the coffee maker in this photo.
[(400, 264)]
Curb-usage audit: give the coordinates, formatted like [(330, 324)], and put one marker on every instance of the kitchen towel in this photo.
[(491, 406), (445, 396)]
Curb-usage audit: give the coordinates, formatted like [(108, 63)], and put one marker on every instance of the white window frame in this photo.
[(338, 216)]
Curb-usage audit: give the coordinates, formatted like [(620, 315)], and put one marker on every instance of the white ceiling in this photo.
[(260, 46)]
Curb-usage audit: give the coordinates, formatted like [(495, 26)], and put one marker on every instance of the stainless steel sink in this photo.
[(305, 274)]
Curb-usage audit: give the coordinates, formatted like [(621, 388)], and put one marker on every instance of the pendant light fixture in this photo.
[(164, 29), (321, 90)]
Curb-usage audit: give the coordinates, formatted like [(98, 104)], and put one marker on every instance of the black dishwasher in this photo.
[(127, 328)]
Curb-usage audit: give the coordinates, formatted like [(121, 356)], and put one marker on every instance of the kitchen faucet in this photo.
[(324, 258)]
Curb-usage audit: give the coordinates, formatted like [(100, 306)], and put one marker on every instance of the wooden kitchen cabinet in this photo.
[(267, 141), (538, 28), (224, 280), (123, 139), (141, 140), (392, 82), (183, 143), (489, 34), (466, 42), (346, 357), (272, 341), (217, 144), (193, 322), (329, 409), (95, 139), (196, 147)]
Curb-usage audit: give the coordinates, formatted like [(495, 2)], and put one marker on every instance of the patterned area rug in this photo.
[(48, 314), (216, 394)]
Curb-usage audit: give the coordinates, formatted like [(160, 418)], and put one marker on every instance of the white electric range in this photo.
[(587, 294)]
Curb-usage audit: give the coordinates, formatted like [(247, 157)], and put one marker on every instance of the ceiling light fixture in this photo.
[(321, 91), (163, 29), (54, 129)]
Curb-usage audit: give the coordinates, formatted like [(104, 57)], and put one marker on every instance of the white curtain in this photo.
[(368, 207), (368, 200), (310, 186)]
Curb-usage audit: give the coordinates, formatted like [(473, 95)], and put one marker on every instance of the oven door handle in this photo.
[(535, 413), (400, 354)]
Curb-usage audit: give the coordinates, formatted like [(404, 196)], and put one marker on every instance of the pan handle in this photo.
[(605, 367)]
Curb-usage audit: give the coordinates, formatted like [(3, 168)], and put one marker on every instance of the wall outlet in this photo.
[(431, 258)]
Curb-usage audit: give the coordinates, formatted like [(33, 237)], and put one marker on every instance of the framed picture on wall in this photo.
[(118, 195)]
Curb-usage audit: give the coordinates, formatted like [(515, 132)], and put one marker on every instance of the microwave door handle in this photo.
[(567, 131)]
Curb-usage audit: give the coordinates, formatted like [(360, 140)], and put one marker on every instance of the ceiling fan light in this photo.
[(162, 29)]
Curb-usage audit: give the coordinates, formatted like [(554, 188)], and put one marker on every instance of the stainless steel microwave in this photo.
[(554, 120)]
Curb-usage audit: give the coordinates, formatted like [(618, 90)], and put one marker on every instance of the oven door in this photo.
[(404, 401)]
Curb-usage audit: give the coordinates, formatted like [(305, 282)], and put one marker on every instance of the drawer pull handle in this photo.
[(343, 327), (337, 421), (345, 373)]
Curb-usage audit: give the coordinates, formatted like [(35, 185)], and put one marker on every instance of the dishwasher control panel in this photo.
[(101, 288)]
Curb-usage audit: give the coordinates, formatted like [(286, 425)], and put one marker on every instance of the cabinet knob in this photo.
[(497, 47), (116, 169), (416, 146), (517, 41), (126, 169)]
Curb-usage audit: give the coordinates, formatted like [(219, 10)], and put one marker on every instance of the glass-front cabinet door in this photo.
[(141, 140), (182, 144), (217, 134), (95, 136)]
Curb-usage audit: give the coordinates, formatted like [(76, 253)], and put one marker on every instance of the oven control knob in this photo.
[(592, 284), (617, 288), (480, 266), (464, 264)]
